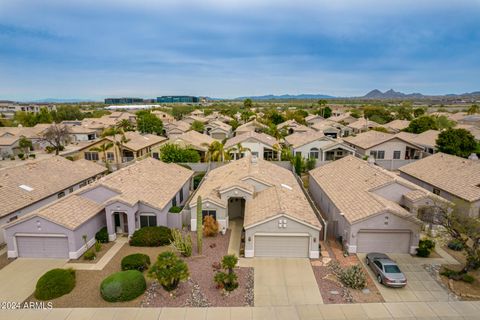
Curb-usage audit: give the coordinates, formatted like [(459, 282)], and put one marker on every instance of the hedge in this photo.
[(55, 283), (123, 286), (151, 237), (136, 261), (102, 235)]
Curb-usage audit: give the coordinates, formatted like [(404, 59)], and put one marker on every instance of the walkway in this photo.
[(236, 226), (402, 310), (284, 282), (119, 242), (19, 278)]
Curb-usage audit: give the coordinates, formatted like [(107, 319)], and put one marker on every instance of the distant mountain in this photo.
[(60, 100), (287, 97), (390, 94)]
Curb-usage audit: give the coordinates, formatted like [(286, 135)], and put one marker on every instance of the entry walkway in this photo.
[(284, 282), (402, 310), (236, 226), (19, 278)]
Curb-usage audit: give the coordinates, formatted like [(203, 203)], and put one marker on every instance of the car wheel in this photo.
[(379, 278)]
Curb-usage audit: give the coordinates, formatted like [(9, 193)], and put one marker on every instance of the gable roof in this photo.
[(397, 124), (250, 126), (363, 123), (261, 137), (372, 138), (350, 183), (299, 139), (44, 177), (427, 138), (455, 175), (196, 140)]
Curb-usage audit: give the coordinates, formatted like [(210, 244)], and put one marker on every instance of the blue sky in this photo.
[(229, 48)]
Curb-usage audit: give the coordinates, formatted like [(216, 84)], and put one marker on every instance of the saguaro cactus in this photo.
[(199, 225)]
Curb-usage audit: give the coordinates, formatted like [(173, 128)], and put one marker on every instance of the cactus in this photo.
[(199, 225)]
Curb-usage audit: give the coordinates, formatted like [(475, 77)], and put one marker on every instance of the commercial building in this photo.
[(123, 100), (178, 99)]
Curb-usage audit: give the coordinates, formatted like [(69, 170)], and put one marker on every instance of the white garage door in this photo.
[(281, 246), (395, 242), (42, 247)]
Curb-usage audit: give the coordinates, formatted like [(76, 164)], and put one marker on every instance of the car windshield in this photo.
[(391, 268)]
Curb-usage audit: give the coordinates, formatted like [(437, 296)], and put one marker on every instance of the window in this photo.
[(314, 153), (378, 264), (212, 213), (381, 154), (436, 191), (373, 153), (13, 218), (70, 190), (61, 195), (174, 201), (148, 221), (110, 156), (92, 156), (396, 154), (181, 195), (83, 184)]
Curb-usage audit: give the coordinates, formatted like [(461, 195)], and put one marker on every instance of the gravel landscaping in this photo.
[(100, 254)]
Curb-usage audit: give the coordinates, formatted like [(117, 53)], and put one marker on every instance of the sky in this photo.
[(92, 49)]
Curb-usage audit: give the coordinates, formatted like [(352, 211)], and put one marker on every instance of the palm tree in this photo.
[(275, 132), (216, 152), (103, 149), (116, 132), (126, 125), (238, 150), (474, 108)]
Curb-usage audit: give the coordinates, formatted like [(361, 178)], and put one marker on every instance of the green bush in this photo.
[(151, 237), (21, 156), (468, 278), (102, 235), (456, 245), (89, 255), (136, 261), (227, 280), (55, 283), (32, 156), (353, 277), (98, 246), (425, 247), (197, 179), (175, 209), (169, 270), (123, 286), (310, 165), (183, 244)]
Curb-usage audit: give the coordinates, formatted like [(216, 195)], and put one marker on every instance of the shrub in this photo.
[(21, 156), (197, 179), (210, 226), (55, 283), (353, 277), (456, 245), (136, 261), (175, 209), (183, 244), (69, 158), (102, 235), (12, 157), (32, 156), (169, 270), (49, 149), (123, 286), (310, 165), (425, 247), (89, 255), (151, 237), (467, 278), (227, 280), (98, 246)]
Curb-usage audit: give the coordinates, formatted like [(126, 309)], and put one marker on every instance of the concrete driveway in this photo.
[(285, 282), (19, 278), (421, 287)]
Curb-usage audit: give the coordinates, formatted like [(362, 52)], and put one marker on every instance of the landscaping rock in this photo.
[(197, 299), (249, 295)]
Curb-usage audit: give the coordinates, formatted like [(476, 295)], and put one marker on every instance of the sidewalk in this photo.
[(119, 242), (402, 310)]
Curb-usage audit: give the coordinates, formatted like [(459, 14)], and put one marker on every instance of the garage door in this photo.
[(281, 246), (395, 242), (42, 247)]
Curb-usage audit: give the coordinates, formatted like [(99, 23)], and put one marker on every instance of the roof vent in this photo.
[(286, 186), (26, 188)]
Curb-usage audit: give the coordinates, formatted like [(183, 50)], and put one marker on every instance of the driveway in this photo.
[(19, 278), (421, 287), (284, 282)]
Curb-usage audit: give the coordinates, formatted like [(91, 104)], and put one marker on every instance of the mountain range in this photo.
[(392, 94), (304, 96)]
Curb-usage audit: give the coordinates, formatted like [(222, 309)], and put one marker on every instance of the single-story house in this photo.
[(218, 130), (277, 217), (453, 178), (215, 115), (383, 146), (369, 209), (176, 128), (260, 145), (292, 126), (135, 146), (10, 138), (81, 133), (250, 126), (162, 115), (362, 125), (396, 126), (131, 198), (318, 146), (195, 140), (37, 183), (332, 129), (345, 118), (427, 140), (192, 118), (313, 119)]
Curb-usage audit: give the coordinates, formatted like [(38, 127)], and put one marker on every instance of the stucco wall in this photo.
[(389, 147), (208, 205)]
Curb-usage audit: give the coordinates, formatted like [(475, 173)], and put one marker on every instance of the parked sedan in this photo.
[(386, 270)]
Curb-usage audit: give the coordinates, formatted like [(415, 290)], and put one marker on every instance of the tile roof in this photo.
[(261, 137), (138, 141), (46, 177), (397, 124), (455, 175), (369, 139), (250, 126), (427, 138), (363, 124), (283, 194), (299, 139), (196, 140), (217, 124), (180, 125), (350, 184)]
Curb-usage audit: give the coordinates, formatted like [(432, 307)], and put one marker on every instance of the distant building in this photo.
[(9, 108), (123, 100), (178, 99)]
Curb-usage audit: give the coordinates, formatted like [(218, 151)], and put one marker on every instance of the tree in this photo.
[(422, 124), (149, 123), (170, 152), (247, 103), (275, 132), (26, 119), (322, 103), (199, 225), (67, 112), (298, 164), (442, 122), (234, 124), (459, 142), (238, 150), (418, 112), (378, 114), (404, 112), (197, 126), (216, 152), (380, 129), (227, 280), (356, 113), (274, 117), (56, 135), (169, 270), (126, 125), (297, 115), (474, 108), (43, 116), (25, 144), (119, 139), (245, 115), (103, 149), (325, 112)]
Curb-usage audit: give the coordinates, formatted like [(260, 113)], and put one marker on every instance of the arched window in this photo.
[(314, 153)]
